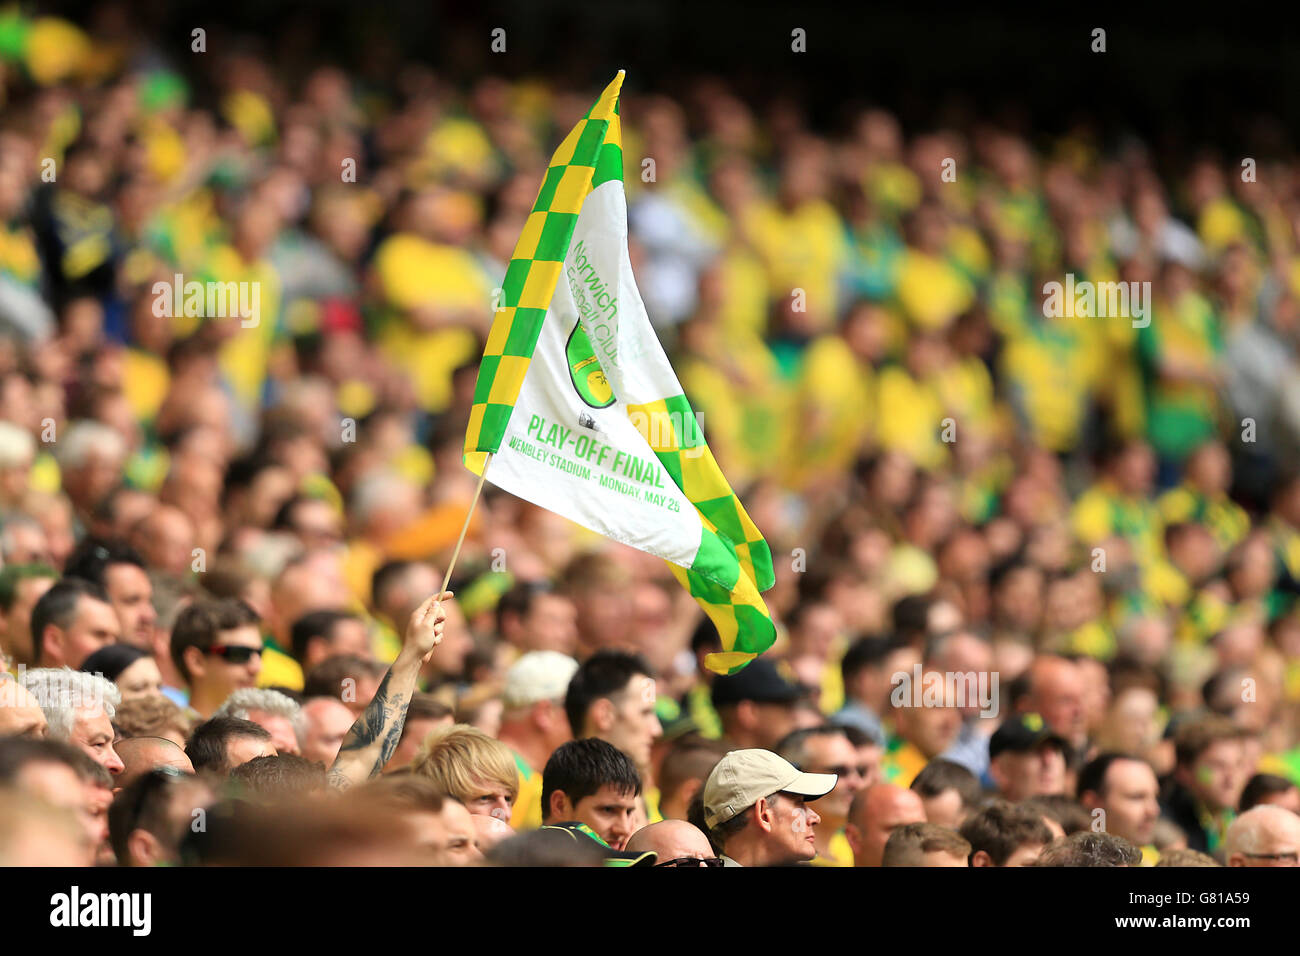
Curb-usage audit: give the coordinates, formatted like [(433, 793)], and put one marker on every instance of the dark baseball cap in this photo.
[(761, 682), (1024, 732)]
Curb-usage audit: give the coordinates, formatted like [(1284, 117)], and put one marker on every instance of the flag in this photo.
[(582, 412)]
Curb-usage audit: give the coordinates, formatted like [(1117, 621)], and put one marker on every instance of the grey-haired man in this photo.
[(756, 805)]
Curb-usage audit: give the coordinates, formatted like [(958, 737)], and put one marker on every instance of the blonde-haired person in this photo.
[(476, 769)]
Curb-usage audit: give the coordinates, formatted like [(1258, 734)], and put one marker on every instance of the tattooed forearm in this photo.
[(378, 715), (394, 735), (372, 740)]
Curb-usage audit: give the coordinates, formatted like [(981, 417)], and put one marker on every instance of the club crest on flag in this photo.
[(585, 371)]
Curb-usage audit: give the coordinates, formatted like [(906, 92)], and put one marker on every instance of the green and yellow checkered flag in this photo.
[(591, 154), (581, 411)]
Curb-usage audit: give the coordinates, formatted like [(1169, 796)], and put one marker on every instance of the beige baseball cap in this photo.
[(743, 777)]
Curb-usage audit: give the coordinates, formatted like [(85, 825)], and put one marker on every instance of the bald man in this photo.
[(312, 583), (674, 841), (1056, 692), (327, 723), (1267, 835), (165, 538), (874, 814), (20, 714), (143, 754)]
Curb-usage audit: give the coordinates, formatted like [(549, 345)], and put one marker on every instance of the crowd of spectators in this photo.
[(221, 534)]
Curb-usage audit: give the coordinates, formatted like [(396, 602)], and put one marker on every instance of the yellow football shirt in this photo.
[(839, 852), (279, 670), (527, 813)]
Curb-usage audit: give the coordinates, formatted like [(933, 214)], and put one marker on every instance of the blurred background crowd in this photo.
[(1103, 514)]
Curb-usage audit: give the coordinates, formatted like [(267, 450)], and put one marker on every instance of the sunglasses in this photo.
[(234, 654), (709, 861)]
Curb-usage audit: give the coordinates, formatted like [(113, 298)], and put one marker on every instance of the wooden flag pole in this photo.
[(451, 565)]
